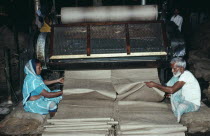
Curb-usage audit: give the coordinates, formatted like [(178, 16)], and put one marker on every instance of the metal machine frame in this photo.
[(101, 61)]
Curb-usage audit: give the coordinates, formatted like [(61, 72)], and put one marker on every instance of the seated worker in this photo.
[(183, 87), (37, 97)]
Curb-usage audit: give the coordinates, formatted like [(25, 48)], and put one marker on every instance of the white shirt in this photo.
[(178, 21), (191, 89)]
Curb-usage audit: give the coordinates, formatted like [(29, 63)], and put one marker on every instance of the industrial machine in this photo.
[(107, 54), (108, 37)]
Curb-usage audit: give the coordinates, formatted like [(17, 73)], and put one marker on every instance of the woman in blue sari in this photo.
[(37, 97)]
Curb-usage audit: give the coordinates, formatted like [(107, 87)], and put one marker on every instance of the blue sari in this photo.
[(31, 82)]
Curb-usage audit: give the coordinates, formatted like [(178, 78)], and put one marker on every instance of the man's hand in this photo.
[(150, 84), (60, 80), (167, 95)]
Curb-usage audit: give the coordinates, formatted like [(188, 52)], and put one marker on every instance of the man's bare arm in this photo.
[(166, 89)]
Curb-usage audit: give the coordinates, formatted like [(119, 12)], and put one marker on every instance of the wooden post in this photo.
[(7, 73)]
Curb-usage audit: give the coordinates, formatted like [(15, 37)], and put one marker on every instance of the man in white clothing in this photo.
[(177, 19), (183, 87)]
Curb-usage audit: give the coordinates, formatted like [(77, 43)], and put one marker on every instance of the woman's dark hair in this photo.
[(37, 61), (34, 63)]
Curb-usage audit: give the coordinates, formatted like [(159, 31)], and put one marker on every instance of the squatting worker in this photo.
[(37, 97), (183, 87)]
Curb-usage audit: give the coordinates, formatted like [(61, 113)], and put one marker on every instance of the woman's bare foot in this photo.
[(52, 114)]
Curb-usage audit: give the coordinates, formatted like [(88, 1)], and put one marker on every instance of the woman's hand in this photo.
[(51, 94), (60, 80), (150, 84), (35, 97)]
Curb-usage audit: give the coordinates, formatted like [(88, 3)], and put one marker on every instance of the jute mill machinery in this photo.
[(110, 38), (107, 37)]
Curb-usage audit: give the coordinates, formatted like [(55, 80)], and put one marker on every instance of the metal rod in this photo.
[(108, 55), (128, 46), (51, 41), (88, 40), (106, 23)]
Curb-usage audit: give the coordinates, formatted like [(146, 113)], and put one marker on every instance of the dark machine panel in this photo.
[(107, 45), (70, 40), (146, 37), (108, 38)]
